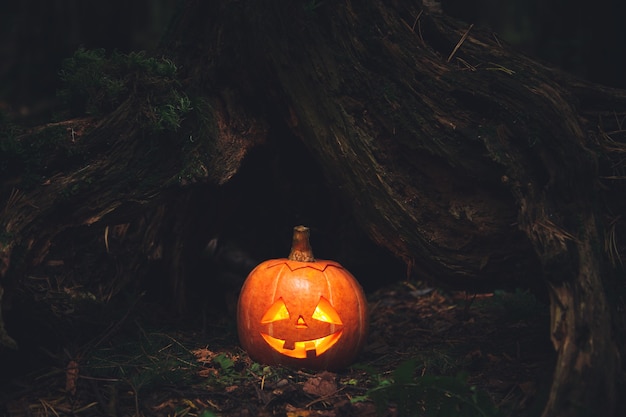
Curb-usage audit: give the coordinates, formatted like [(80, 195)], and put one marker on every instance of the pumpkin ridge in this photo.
[(331, 293), (277, 280), (363, 324)]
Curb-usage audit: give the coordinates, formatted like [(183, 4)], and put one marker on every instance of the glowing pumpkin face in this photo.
[(324, 323), (302, 313)]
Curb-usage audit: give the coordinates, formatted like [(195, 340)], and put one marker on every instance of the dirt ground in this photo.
[(429, 352)]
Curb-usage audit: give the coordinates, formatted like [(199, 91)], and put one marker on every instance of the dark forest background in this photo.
[(584, 38), (36, 36)]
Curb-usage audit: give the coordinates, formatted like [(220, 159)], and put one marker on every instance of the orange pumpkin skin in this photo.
[(302, 314)]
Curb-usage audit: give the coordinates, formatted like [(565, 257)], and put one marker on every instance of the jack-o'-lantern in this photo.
[(302, 312)]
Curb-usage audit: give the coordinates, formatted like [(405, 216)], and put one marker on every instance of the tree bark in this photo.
[(473, 164)]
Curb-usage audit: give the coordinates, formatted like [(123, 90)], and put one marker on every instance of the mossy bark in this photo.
[(469, 161), (474, 164)]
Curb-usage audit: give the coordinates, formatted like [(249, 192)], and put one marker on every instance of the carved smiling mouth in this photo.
[(314, 347)]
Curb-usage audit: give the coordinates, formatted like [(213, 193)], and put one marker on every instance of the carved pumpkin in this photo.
[(302, 312)]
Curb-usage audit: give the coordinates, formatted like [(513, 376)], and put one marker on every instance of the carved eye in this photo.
[(326, 312), (277, 311)]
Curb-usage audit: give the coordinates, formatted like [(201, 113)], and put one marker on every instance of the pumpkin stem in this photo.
[(300, 247)]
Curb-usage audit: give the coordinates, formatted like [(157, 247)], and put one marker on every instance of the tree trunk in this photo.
[(473, 164)]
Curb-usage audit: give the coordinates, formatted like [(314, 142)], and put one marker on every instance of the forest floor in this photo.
[(430, 352)]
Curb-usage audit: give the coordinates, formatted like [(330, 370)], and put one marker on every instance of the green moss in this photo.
[(97, 84), (169, 115), (32, 157), (199, 145), (89, 85)]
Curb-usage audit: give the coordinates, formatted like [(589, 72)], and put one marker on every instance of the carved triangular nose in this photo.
[(301, 324)]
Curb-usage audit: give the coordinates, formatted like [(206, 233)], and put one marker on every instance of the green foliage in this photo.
[(28, 159), (224, 362), (154, 360), (199, 149), (267, 374), (431, 396), (97, 84), (169, 115), (310, 6), (226, 374), (157, 359), (87, 87)]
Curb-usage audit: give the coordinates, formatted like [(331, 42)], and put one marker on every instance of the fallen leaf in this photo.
[(71, 375), (321, 385)]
